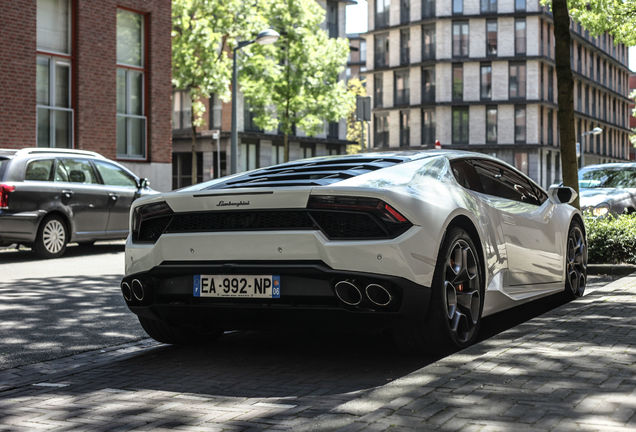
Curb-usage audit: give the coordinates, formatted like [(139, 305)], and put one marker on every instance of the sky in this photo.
[(357, 23)]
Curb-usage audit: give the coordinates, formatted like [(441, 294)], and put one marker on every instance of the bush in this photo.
[(612, 239)]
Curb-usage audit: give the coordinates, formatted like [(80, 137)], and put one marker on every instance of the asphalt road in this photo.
[(56, 308)]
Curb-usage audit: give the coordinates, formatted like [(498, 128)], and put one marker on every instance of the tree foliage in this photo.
[(356, 130), (295, 82), (617, 17)]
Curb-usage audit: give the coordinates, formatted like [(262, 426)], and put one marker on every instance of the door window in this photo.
[(500, 181), (39, 170), (79, 171), (114, 176), (466, 175)]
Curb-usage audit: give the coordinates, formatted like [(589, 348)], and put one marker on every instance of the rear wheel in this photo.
[(163, 332), (576, 262), (457, 299), (52, 237)]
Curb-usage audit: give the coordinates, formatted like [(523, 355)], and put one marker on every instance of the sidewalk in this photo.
[(573, 368)]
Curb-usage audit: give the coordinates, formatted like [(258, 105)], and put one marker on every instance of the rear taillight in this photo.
[(150, 221), (344, 217), (5, 190)]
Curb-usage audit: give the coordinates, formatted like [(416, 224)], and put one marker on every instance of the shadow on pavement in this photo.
[(314, 377), (73, 250)]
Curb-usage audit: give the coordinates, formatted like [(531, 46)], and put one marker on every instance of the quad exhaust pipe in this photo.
[(126, 291), (350, 294), (378, 295), (137, 289)]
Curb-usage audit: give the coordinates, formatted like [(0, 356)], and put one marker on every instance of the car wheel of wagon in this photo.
[(52, 237), (163, 332), (575, 262)]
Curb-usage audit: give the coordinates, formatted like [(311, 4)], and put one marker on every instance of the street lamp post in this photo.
[(265, 37), (596, 131)]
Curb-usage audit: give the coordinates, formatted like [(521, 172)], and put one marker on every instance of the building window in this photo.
[(521, 162), (520, 124), (333, 149), (382, 13), (332, 18), (520, 5), (458, 81), (308, 150), (428, 8), (334, 130), (517, 81), (377, 90), (460, 125), (182, 169), (405, 46), (520, 36), (248, 155), (428, 84), (460, 39), (401, 96), (381, 130), (550, 127), (488, 6), (491, 38), (278, 153), (486, 81), (579, 97), (428, 126), (550, 83), (491, 125), (458, 7), (181, 110), (405, 11), (131, 118), (216, 108), (428, 42), (363, 51), (381, 52), (53, 74), (249, 125), (405, 129)]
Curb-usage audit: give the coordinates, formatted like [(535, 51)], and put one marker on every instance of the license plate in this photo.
[(242, 286)]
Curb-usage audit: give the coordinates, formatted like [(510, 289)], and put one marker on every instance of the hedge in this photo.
[(611, 239)]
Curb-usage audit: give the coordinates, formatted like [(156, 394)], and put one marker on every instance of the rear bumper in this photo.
[(307, 297), (19, 227)]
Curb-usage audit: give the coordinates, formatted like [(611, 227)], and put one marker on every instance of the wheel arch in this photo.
[(466, 223), (65, 218)]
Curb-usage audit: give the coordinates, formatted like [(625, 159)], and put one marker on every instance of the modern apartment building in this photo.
[(480, 75), (256, 148), (91, 75), (357, 62)]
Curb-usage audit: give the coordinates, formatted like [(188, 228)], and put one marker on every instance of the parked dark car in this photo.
[(608, 188), (50, 197)]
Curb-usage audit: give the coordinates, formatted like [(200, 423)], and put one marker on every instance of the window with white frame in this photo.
[(131, 115), (53, 74)]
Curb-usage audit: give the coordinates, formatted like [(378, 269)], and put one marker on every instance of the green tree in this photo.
[(203, 33), (356, 130), (618, 18), (295, 82)]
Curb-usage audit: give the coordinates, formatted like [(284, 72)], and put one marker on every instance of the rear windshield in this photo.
[(4, 163)]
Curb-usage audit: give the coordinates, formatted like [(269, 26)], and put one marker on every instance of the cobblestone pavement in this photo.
[(572, 368)]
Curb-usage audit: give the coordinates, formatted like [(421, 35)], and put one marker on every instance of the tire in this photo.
[(457, 300), (166, 333), (52, 237), (575, 262)]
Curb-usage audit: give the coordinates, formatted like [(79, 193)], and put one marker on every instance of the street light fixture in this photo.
[(596, 131), (265, 37)]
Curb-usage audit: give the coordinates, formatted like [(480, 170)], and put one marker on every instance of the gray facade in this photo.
[(480, 75)]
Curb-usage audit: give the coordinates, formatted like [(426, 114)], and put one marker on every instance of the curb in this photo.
[(611, 269)]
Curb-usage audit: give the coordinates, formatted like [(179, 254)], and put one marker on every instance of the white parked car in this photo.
[(422, 243)]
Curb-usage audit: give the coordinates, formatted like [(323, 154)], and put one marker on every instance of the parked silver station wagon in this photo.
[(50, 197)]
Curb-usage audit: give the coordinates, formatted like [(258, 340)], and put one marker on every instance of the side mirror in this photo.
[(562, 194), (143, 183)]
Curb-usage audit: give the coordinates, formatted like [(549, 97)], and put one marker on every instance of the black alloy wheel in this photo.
[(576, 262)]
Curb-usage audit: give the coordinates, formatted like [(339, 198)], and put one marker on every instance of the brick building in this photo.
[(92, 75), (256, 147), (480, 75)]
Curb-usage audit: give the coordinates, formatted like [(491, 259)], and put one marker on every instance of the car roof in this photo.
[(44, 150)]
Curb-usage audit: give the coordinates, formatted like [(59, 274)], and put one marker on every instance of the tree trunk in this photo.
[(194, 147), (286, 147), (565, 86)]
